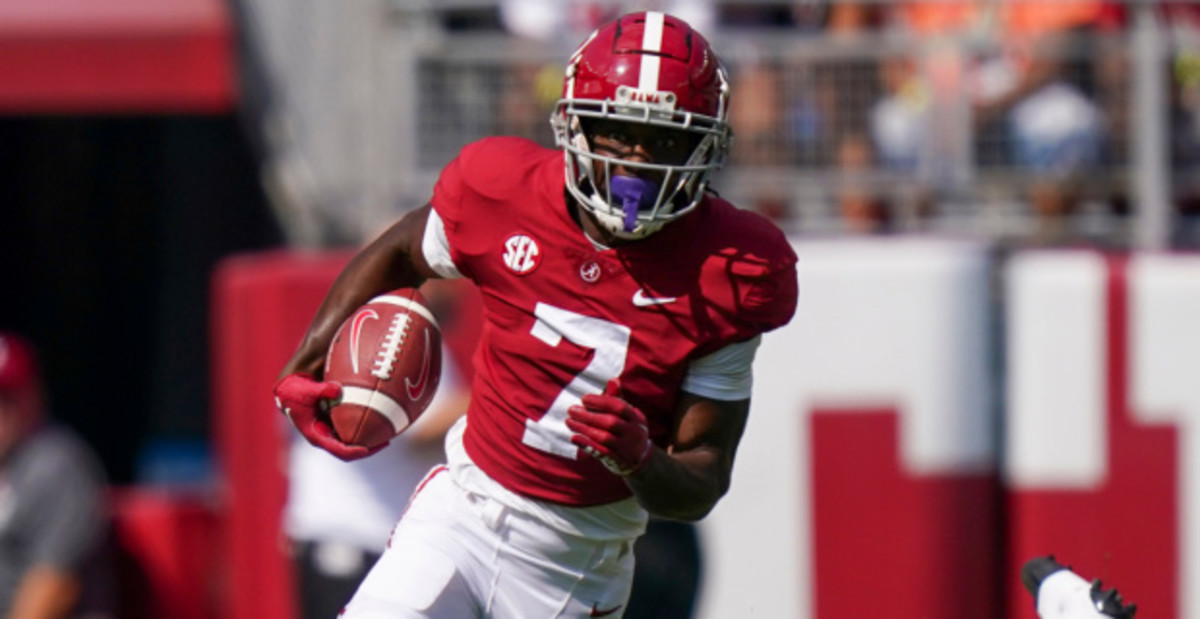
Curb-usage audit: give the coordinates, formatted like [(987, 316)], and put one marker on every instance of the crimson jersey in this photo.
[(561, 318)]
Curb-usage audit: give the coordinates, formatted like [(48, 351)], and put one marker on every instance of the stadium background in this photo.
[(144, 145)]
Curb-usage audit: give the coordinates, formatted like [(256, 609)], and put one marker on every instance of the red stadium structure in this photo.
[(848, 462), (866, 484), (1103, 397), (122, 57), (96, 56), (261, 307)]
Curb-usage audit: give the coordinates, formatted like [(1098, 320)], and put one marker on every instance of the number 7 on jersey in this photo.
[(609, 340)]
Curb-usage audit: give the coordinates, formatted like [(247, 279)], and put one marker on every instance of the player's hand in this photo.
[(611, 430), (299, 396)]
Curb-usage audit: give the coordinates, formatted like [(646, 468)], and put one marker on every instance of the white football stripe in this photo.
[(378, 401), (651, 42), (409, 304)]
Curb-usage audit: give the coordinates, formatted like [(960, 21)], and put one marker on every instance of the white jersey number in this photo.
[(611, 343)]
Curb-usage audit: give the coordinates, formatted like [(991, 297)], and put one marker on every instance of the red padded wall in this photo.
[(167, 545), (261, 306), (892, 543), (1125, 530)]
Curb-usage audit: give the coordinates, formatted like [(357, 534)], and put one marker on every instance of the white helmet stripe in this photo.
[(651, 42)]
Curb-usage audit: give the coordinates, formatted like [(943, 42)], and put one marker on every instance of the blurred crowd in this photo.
[(902, 116)]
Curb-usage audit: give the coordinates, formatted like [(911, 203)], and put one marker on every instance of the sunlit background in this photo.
[(995, 203)]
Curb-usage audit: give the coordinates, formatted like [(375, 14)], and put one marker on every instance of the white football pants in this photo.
[(458, 555)]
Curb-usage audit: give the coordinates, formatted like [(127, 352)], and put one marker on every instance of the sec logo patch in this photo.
[(521, 254)]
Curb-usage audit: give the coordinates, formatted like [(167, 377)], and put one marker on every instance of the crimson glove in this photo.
[(611, 430), (298, 396)]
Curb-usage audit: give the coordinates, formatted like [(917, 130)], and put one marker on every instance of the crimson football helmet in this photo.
[(653, 69)]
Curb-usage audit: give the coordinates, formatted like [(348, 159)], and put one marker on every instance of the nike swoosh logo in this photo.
[(596, 612), (641, 300), (417, 389), (356, 331)]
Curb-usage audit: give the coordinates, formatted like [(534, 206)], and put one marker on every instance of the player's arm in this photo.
[(393, 260), (683, 482), (686, 481)]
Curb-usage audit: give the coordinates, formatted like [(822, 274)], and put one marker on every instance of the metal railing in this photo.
[(1083, 134)]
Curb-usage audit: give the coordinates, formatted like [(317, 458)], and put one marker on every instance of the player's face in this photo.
[(638, 143)]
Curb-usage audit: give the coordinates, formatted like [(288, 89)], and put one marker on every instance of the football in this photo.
[(387, 356)]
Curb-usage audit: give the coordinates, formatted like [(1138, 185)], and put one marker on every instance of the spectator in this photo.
[(1183, 22), (525, 101), (758, 115), (54, 524), (859, 207), (901, 129), (900, 119), (1023, 98), (827, 97), (847, 19)]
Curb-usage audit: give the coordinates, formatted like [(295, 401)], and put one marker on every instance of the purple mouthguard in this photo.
[(634, 193)]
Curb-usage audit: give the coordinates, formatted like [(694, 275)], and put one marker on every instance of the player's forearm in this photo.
[(357, 285), (378, 268), (681, 486), (365, 277)]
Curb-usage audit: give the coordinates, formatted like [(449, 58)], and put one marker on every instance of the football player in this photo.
[(623, 305), (1060, 593)]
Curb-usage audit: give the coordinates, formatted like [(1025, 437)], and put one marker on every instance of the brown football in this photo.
[(387, 356)]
